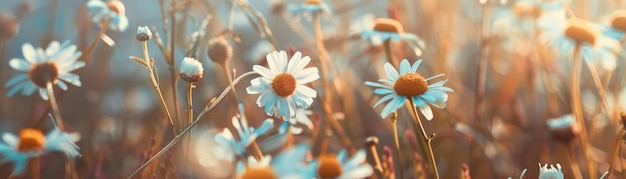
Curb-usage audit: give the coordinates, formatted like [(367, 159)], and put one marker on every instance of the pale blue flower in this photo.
[(435, 94), (551, 172), (56, 62), (375, 37), (245, 133), (282, 86), (351, 168), (143, 33), (112, 10), (55, 141)]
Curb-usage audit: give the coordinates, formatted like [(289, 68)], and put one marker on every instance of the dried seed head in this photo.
[(313, 2), (328, 167), (41, 74), (258, 173), (143, 33), (388, 25), (191, 70), (618, 20), (410, 85), (9, 27), (117, 7), (284, 84), (581, 31), (31, 140), (220, 50)]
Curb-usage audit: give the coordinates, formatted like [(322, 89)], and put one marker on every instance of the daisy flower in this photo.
[(282, 86), (112, 11), (410, 84), (282, 166), (551, 172), (309, 8), (246, 134), (390, 29), (54, 65), (32, 143), (339, 167)]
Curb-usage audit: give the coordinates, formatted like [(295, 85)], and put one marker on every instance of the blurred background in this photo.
[(495, 126)]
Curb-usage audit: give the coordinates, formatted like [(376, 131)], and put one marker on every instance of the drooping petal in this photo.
[(393, 106), (71, 78), (428, 113)]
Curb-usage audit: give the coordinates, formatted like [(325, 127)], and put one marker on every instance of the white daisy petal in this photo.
[(71, 78), (19, 65), (306, 91), (405, 67), (428, 113), (53, 48), (393, 106), (17, 88), (391, 72), (294, 61), (11, 139), (307, 75), (30, 54), (266, 73), (303, 62), (43, 93), (61, 85)]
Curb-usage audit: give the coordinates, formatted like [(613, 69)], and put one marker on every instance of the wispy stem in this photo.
[(172, 60), (427, 139), (190, 119), (394, 123), (55, 107), (578, 111), (155, 85), (94, 42)]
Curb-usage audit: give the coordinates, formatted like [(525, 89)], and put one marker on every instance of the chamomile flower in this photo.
[(282, 166), (388, 29), (282, 86), (245, 133), (112, 11), (54, 64), (410, 84), (551, 172), (339, 167), (32, 143), (308, 8)]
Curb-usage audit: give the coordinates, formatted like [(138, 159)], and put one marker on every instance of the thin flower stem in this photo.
[(482, 62), (259, 18), (394, 123), (231, 18), (571, 158), (190, 119), (616, 147), (172, 60), (598, 83), (206, 109), (155, 85), (389, 53), (55, 106), (229, 77), (425, 138), (94, 42), (578, 111), (36, 167)]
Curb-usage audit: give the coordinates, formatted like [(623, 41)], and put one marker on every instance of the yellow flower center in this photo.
[(31, 139), (410, 85), (388, 25), (284, 84), (117, 7), (259, 173), (41, 74), (329, 166), (581, 31), (618, 20), (313, 2)]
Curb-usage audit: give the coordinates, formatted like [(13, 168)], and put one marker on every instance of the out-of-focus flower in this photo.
[(388, 29), (245, 133), (53, 65), (302, 117), (309, 8), (409, 84), (9, 27), (32, 143), (551, 172), (220, 50), (282, 166), (143, 33), (191, 70), (339, 167), (563, 128), (113, 11), (282, 86)]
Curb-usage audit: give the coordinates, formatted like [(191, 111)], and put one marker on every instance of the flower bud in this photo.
[(143, 33), (220, 50), (191, 70)]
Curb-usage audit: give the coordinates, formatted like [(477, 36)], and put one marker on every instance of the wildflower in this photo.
[(309, 7), (32, 143), (551, 172), (282, 86), (388, 29), (112, 11), (245, 133), (53, 65), (339, 167), (302, 117), (282, 166), (220, 51), (191, 70), (143, 33), (410, 84), (563, 128)]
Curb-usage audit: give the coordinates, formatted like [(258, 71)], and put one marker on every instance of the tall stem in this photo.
[(36, 167), (172, 61), (189, 119), (55, 107), (578, 111), (394, 123), (425, 138), (155, 85)]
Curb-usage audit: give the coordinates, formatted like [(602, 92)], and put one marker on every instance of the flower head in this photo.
[(385, 29), (245, 133), (339, 166), (551, 172), (408, 84), (220, 50), (191, 70), (53, 65), (32, 143), (282, 86), (112, 11), (143, 33)]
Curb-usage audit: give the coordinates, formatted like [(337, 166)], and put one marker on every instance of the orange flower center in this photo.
[(41, 74), (410, 85), (388, 25), (618, 20), (313, 2), (259, 173), (31, 139), (581, 31), (284, 84), (329, 167), (117, 7)]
